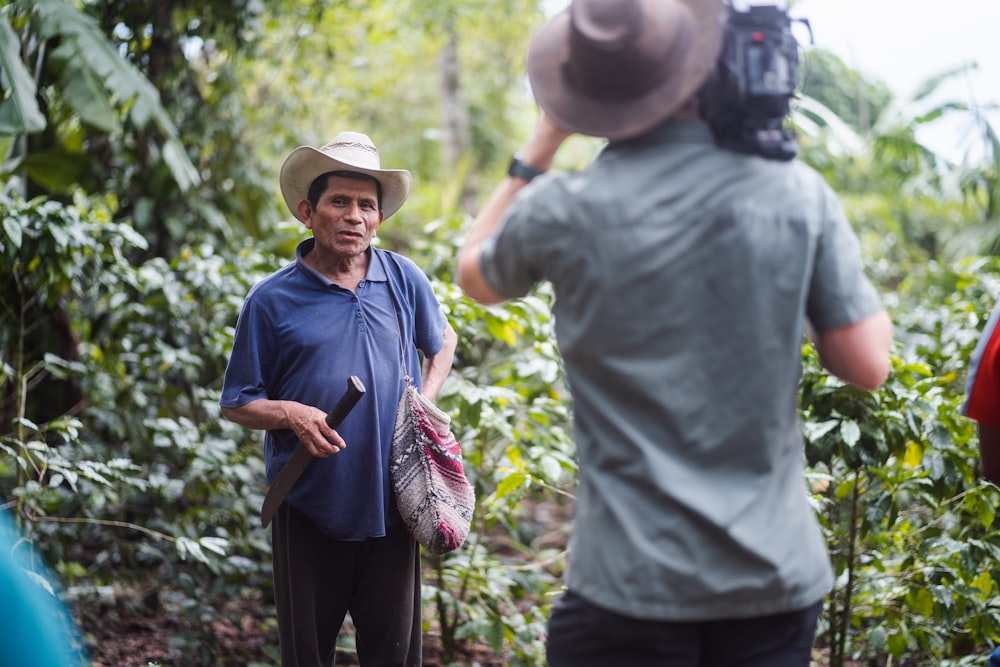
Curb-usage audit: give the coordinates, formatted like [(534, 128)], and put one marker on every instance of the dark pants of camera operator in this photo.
[(583, 635), (317, 580)]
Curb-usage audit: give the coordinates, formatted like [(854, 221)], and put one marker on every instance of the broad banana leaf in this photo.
[(19, 112)]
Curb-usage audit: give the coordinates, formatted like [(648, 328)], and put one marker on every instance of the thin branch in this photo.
[(553, 489), (102, 522)]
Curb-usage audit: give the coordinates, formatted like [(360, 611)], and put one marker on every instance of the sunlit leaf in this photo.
[(850, 433), (12, 229), (509, 484)]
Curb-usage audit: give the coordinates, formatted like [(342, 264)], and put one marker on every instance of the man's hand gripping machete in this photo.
[(290, 473)]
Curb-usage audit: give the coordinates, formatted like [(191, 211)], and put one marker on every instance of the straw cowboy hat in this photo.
[(348, 151), (617, 68)]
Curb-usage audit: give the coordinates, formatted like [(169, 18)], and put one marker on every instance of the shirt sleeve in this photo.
[(246, 374), (428, 317), (839, 292), (529, 241), (982, 401)]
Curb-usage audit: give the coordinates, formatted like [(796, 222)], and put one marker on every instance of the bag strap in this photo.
[(399, 329)]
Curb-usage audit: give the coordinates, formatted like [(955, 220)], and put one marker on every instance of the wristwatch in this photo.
[(520, 169)]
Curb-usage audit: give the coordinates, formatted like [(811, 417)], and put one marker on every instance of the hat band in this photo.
[(350, 146)]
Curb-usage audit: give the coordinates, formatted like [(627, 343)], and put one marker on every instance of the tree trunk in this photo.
[(456, 132)]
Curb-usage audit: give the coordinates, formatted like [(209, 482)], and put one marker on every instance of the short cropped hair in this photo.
[(318, 186)]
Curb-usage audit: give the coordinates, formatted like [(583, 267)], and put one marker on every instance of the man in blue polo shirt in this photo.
[(686, 277), (342, 308)]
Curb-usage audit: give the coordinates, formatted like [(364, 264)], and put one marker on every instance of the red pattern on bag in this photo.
[(433, 495)]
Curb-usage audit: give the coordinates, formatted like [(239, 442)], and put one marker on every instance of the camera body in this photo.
[(748, 96)]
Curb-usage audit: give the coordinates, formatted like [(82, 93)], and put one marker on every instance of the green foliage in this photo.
[(136, 104), (909, 522), (188, 49), (120, 292), (49, 253), (853, 98), (19, 112), (148, 478), (510, 408), (916, 204), (89, 79), (160, 349), (375, 67)]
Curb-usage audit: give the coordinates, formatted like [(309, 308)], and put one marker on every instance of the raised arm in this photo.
[(539, 153), (989, 452)]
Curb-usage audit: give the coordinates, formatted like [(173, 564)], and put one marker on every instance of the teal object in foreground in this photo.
[(37, 630)]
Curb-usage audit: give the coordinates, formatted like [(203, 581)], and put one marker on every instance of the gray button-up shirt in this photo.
[(684, 275)]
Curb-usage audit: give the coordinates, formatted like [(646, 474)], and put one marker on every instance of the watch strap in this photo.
[(520, 169)]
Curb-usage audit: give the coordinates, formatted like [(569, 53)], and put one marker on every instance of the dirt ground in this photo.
[(115, 639)]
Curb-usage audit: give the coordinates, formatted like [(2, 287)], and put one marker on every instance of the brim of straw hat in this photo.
[(305, 164)]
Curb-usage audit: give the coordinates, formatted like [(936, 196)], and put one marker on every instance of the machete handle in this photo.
[(350, 398), (293, 468)]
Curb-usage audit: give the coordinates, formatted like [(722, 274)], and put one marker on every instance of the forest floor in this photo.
[(155, 625), (247, 637)]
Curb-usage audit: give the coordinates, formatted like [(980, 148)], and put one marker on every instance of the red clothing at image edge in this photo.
[(984, 395)]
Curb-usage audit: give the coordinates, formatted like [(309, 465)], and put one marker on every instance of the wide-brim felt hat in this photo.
[(348, 151), (617, 68)]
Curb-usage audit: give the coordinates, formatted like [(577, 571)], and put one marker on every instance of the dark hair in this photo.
[(318, 186)]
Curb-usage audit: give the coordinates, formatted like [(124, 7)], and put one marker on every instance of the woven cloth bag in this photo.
[(434, 498)]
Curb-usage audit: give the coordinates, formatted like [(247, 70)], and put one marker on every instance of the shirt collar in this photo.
[(376, 263), (692, 130)]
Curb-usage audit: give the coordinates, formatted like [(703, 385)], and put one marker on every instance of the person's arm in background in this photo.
[(858, 353), (539, 152), (982, 403), (989, 451), (436, 368)]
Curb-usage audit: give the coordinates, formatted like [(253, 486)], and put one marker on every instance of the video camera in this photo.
[(747, 97)]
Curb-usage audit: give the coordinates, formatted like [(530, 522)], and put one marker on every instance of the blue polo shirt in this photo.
[(299, 337)]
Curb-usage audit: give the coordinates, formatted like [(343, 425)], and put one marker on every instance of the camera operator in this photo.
[(686, 277)]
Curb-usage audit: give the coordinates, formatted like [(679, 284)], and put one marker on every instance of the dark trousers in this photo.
[(583, 635), (317, 580)]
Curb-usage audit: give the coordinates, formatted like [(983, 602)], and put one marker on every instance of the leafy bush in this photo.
[(140, 475), (909, 522), (511, 411)]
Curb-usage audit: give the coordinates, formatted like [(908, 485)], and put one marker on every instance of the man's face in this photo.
[(346, 216)]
